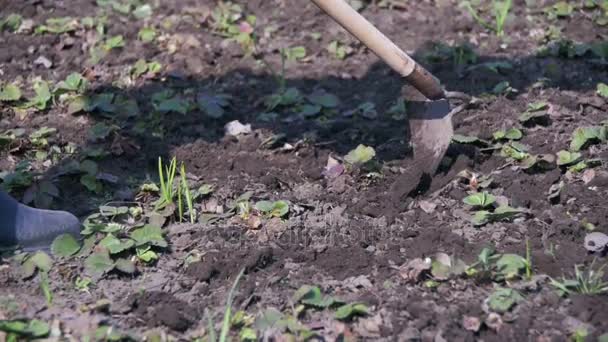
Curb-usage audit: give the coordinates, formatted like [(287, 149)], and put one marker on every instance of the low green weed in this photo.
[(586, 282), (500, 12)]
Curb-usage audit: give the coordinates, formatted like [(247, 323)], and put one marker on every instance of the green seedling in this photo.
[(185, 189), (511, 134), (584, 136), (166, 177), (74, 82), (39, 261), (142, 67), (360, 155), (10, 92), (83, 284), (503, 299), (501, 213), (64, 246), (561, 9), (273, 209), (515, 151), (228, 20), (295, 53), (535, 113), (42, 97), (500, 13), (470, 139), (504, 88), (348, 311), (499, 267), (45, 288), (225, 330), (480, 200), (589, 282), (528, 262), (24, 329), (58, 25), (602, 90), (311, 296), (566, 158), (339, 50), (214, 105), (147, 34), (11, 23)]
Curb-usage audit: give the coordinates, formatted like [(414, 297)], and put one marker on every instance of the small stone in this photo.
[(44, 62), (235, 128), (596, 241)]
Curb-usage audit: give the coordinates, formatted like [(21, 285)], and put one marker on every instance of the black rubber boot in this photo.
[(31, 228)]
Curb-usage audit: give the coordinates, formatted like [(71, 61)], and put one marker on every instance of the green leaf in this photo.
[(115, 245), (602, 90), (91, 183), (295, 53), (58, 25), (143, 11), (248, 334), (74, 82), (175, 104), (480, 199), (65, 245), (98, 263), (349, 311), (213, 105), (45, 288), (125, 266), (276, 209), (503, 299), (501, 213), (510, 265), (481, 217), (114, 42), (514, 150), (584, 164), (146, 254), (42, 261), (111, 211), (468, 139), (565, 158), (264, 206), (43, 95), (360, 155), (146, 34), (324, 99), (10, 92), (149, 235), (89, 167), (39, 261), (12, 22), (33, 328), (311, 296), (583, 136), (511, 134)]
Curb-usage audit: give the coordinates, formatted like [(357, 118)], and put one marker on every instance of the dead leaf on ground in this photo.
[(427, 206), (493, 321), (471, 323)]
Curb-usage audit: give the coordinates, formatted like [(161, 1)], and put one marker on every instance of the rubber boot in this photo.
[(30, 228)]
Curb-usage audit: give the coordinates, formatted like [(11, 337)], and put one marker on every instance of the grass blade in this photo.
[(226, 323)]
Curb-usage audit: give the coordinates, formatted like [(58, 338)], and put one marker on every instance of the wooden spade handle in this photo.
[(383, 47)]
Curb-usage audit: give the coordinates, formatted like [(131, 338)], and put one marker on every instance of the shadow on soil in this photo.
[(142, 138)]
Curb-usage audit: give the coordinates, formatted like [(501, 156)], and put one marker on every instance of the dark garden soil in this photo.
[(343, 233)]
